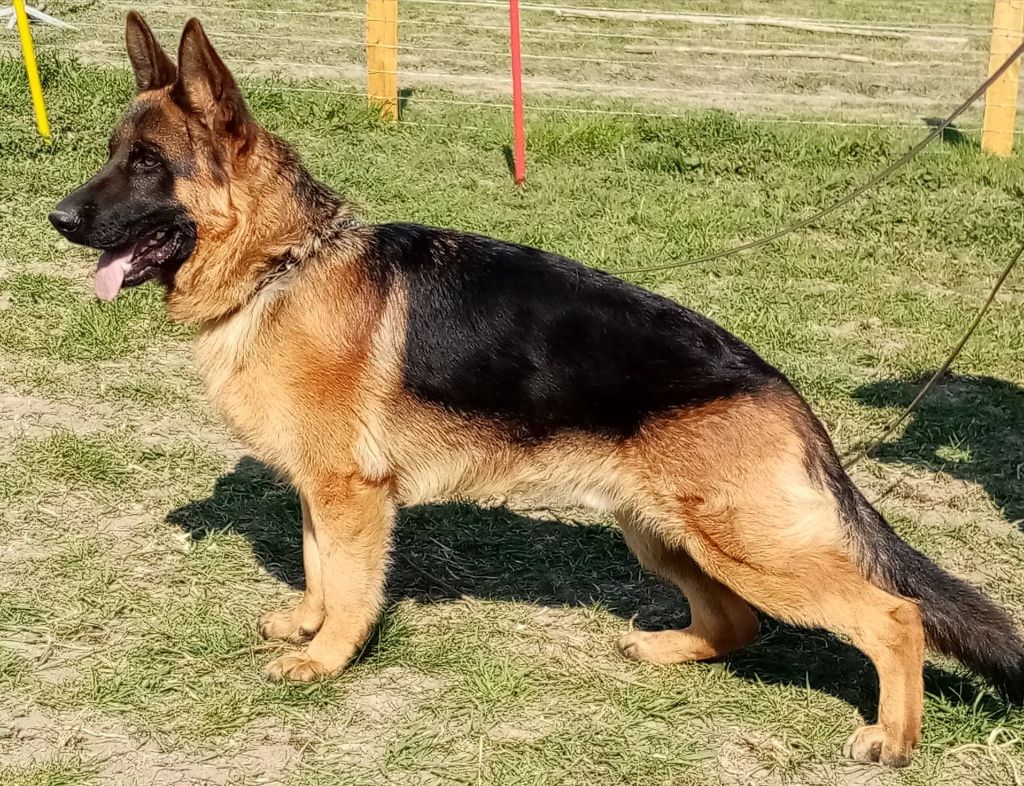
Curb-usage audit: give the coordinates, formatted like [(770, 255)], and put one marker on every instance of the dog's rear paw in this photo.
[(296, 667), (662, 647), (636, 645)]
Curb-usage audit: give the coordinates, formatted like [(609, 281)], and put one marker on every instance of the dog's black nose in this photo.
[(65, 221)]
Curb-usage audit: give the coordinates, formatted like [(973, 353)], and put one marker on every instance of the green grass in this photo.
[(60, 771), (140, 545), (49, 316)]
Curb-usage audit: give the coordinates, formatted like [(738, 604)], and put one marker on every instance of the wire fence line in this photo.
[(750, 56), (817, 52), (842, 62)]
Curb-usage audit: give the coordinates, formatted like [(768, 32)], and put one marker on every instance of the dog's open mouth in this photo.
[(140, 260)]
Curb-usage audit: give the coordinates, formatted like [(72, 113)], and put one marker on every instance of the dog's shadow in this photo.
[(969, 427), (448, 551)]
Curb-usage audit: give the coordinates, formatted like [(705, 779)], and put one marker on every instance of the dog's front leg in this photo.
[(351, 522), (301, 623)]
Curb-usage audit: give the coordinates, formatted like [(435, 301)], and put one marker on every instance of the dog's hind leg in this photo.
[(301, 623), (734, 486), (777, 541), (720, 620), (827, 590)]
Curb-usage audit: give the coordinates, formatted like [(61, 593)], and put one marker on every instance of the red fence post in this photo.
[(518, 123)]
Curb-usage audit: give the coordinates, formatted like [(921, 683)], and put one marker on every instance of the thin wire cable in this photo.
[(880, 177), (233, 9), (549, 109), (504, 107), (601, 34), (567, 33), (238, 36), (607, 88), (907, 27), (406, 49), (861, 453), (448, 24), (764, 52), (912, 27), (814, 49), (414, 74)]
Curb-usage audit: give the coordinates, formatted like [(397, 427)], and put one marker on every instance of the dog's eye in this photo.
[(146, 160)]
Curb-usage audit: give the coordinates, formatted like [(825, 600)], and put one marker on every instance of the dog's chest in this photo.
[(242, 386)]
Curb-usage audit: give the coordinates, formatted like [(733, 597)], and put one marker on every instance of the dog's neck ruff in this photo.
[(281, 265)]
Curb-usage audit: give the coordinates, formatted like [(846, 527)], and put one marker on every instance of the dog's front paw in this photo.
[(297, 667), (294, 625), (871, 743)]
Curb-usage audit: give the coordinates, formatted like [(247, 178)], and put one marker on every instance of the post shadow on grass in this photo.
[(510, 160), (405, 95), (951, 135), (971, 428), (447, 551)]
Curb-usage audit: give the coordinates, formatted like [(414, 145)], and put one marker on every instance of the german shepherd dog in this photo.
[(377, 366)]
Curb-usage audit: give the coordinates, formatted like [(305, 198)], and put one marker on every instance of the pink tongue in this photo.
[(111, 271)]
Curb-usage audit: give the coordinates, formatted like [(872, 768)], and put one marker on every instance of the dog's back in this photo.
[(536, 344)]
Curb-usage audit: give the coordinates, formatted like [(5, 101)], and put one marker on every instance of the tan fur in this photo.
[(248, 220), (306, 369)]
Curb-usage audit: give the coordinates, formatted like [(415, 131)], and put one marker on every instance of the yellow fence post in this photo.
[(34, 85), (1001, 99), (382, 56)]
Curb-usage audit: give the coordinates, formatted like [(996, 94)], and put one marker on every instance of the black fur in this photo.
[(958, 619), (123, 200), (542, 344)]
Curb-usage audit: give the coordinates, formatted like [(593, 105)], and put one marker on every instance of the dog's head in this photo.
[(166, 183)]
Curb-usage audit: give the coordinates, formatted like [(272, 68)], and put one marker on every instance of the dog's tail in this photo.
[(959, 620)]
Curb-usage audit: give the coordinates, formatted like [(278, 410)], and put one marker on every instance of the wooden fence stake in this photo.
[(382, 56), (1001, 99)]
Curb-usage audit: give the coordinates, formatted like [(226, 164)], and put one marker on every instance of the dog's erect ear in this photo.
[(205, 86), (152, 67)]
